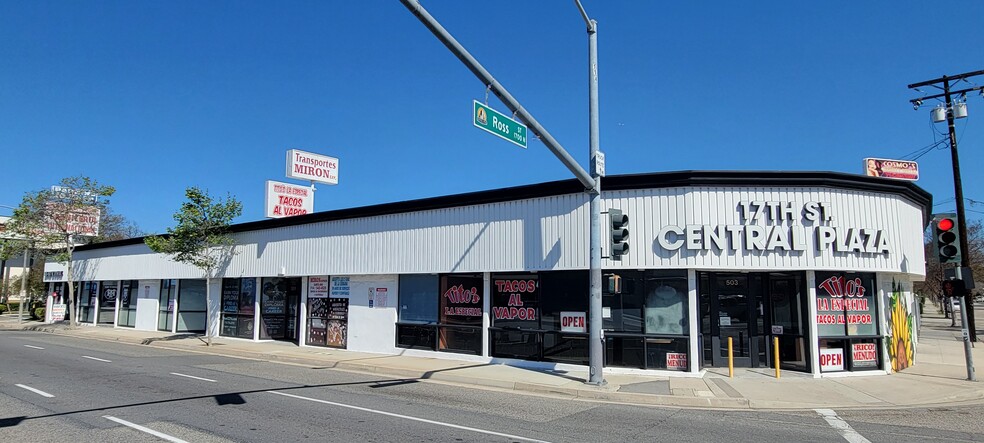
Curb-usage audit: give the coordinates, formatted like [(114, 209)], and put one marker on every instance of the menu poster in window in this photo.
[(317, 307), (230, 325), (515, 301), (109, 296), (338, 309), (247, 299), (318, 287), (461, 300), (230, 295), (274, 296), (125, 297), (337, 333), (317, 336)]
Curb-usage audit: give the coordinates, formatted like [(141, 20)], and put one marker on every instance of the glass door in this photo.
[(789, 322), (731, 307)]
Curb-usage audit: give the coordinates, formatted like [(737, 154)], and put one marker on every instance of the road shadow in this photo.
[(173, 337)]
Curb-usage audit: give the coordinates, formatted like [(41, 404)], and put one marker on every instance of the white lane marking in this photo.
[(423, 420), (33, 347), (36, 391), (841, 426), (96, 359), (145, 429), (192, 376)]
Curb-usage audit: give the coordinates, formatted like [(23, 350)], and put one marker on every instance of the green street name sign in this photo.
[(494, 122)]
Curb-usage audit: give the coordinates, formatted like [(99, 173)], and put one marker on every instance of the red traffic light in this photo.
[(945, 224)]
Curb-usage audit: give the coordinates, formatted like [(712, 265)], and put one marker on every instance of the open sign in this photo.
[(573, 321), (831, 360)]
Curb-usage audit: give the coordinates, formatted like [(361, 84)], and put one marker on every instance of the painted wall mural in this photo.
[(901, 324)]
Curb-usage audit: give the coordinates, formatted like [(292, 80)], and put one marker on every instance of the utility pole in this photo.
[(968, 301)]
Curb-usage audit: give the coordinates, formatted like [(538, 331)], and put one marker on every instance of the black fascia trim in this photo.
[(656, 180)]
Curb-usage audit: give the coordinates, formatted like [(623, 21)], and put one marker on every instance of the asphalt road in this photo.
[(57, 388)]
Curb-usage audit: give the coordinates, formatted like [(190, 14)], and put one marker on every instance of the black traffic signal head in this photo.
[(946, 239), (619, 233)]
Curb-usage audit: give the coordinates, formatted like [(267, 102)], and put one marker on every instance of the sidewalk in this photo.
[(937, 378)]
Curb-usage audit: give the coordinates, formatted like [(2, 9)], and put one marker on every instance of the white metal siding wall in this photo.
[(547, 233)]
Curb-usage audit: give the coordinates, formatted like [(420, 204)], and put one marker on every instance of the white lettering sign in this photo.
[(771, 226)]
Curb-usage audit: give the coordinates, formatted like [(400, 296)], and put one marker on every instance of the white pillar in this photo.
[(693, 301), (486, 308), (813, 339), (116, 307), (256, 308), (302, 314), (174, 312)]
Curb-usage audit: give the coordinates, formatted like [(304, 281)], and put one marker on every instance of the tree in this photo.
[(113, 226), (59, 220), (201, 237)]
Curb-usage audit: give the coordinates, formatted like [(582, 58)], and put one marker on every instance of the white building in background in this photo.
[(822, 261)]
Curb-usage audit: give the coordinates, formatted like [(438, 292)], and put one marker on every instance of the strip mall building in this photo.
[(823, 261)]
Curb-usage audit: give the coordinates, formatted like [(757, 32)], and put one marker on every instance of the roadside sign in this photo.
[(286, 200), (897, 169), (599, 163), (314, 167), (496, 123)]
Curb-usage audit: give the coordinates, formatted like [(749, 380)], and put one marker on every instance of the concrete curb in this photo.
[(604, 394)]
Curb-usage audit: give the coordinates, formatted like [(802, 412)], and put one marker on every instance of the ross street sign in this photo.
[(496, 123)]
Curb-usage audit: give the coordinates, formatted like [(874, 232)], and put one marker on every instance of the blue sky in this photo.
[(152, 96)]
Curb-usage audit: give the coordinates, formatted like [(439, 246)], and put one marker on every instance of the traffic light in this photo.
[(619, 234), (947, 239), (954, 288)]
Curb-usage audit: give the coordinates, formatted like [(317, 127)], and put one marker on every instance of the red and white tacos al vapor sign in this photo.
[(285, 199)]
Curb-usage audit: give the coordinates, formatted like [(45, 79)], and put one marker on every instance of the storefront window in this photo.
[(667, 309), (279, 299), (846, 305), (128, 304), (418, 298), (847, 322), (418, 312), (192, 306), (165, 304), (107, 302), (238, 301), (516, 316), (460, 316)]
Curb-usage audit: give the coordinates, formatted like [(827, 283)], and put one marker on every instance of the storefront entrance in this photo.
[(751, 309)]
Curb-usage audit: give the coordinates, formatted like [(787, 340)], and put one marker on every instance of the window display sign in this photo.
[(666, 307), (864, 355), (230, 295), (286, 200), (831, 359), (515, 301), (461, 300), (676, 361), (573, 321), (340, 287), (274, 297), (845, 305), (318, 287), (247, 300), (337, 322)]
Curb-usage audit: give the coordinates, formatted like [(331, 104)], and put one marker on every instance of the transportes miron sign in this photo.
[(899, 169), (495, 123), (286, 200), (313, 167)]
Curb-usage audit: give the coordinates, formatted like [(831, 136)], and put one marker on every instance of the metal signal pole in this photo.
[(968, 301)]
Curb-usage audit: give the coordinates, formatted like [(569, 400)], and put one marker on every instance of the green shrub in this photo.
[(38, 313), (3, 308)]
